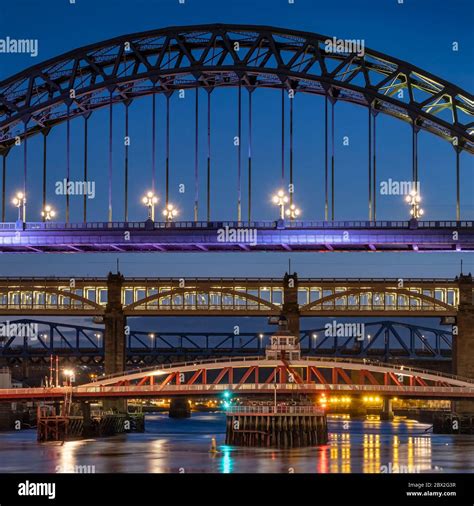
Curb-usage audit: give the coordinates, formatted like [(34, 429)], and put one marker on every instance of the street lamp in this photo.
[(48, 213), (280, 199), (169, 212), (20, 202), (293, 212), (69, 373), (150, 200), (414, 199)]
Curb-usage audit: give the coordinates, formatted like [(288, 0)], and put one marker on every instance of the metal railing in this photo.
[(263, 224), (35, 390), (272, 410), (280, 387), (129, 281), (246, 387), (264, 387), (164, 367)]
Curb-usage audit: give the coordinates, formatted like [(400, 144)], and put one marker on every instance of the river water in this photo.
[(172, 446)]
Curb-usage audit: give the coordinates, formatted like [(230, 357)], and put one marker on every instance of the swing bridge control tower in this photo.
[(278, 425), (283, 344)]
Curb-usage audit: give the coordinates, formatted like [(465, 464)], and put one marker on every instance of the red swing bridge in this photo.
[(297, 419), (257, 375)]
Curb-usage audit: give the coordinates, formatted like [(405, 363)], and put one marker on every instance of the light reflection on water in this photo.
[(171, 446)]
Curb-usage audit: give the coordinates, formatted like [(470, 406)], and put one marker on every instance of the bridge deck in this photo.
[(256, 375), (157, 391), (237, 236)]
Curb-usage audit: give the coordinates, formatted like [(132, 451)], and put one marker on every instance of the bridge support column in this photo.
[(463, 342), (25, 369), (114, 336), (290, 309), (6, 416), (387, 412), (87, 427), (179, 408), (358, 409)]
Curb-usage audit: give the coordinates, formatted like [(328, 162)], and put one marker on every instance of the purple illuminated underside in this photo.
[(233, 236)]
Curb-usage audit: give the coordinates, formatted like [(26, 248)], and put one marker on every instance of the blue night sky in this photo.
[(418, 31)]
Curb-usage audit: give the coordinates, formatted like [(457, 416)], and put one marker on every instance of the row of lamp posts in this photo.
[(170, 212)]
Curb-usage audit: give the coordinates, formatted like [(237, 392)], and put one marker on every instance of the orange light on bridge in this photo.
[(323, 401), (372, 399), (340, 400)]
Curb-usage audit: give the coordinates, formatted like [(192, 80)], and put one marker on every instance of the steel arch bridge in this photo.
[(230, 296), (165, 60), (256, 375), (390, 340), (204, 58)]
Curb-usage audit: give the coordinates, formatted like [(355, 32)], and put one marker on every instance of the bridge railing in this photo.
[(269, 410), (35, 390), (265, 388), (264, 224), (223, 279), (188, 363), (103, 391)]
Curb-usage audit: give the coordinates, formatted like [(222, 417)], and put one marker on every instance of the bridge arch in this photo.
[(164, 60), (167, 372), (437, 304), (220, 291), (87, 304)]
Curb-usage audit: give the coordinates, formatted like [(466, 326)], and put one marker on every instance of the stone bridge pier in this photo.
[(463, 342), (290, 309), (114, 336)]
